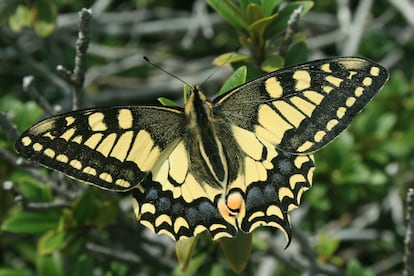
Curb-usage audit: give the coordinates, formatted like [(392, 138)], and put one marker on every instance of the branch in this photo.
[(32, 92), (9, 128), (291, 29), (129, 257), (119, 24), (299, 255), (33, 170), (356, 29), (201, 21), (406, 8), (77, 77), (409, 235), (23, 55), (31, 206)]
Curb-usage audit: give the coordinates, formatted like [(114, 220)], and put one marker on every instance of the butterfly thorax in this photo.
[(206, 145)]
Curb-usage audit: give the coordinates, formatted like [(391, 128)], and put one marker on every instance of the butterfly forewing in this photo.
[(113, 148), (302, 108)]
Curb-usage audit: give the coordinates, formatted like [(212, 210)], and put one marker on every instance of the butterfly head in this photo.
[(198, 105)]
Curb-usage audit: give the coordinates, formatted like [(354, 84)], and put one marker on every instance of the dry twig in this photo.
[(409, 235)]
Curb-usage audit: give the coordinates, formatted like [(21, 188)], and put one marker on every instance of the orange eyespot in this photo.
[(222, 207), (235, 201)]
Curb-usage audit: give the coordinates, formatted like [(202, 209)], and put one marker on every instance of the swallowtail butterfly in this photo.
[(234, 163)]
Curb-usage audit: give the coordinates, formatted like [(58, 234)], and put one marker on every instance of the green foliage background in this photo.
[(351, 221)]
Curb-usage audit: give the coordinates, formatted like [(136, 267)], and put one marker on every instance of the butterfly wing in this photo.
[(113, 148), (280, 119), (302, 108), (138, 148), (181, 211), (277, 121)]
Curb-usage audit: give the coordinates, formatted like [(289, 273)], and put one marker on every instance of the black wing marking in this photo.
[(302, 108), (113, 148)]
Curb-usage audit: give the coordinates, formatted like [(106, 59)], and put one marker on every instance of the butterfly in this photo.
[(234, 163)]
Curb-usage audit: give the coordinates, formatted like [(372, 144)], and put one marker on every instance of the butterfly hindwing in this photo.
[(172, 201), (162, 212), (113, 148)]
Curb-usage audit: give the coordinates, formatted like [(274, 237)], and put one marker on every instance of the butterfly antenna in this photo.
[(218, 68), (165, 71)]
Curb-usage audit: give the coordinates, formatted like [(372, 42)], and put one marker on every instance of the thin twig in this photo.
[(129, 257), (355, 31), (42, 206), (113, 254), (77, 77), (32, 92), (314, 268), (82, 44), (409, 235), (32, 206), (33, 170), (306, 250), (41, 69), (118, 25), (200, 22), (299, 255), (406, 8), (291, 30), (9, 128)]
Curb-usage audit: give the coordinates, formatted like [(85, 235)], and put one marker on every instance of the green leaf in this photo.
[(8, 8), (354, 268), (53, 241), (44, 14), (167, 102), (20, 19), (184, 250), (49, 265), (258, 28), (246, 41), (253, 72), (245, 3), (31, 188), (237, 250), (254, 13), (236, 79), (231, 57), (269, 6), (218, 270), (20, 110), (84, 208), (327, 246), (31, 223), (107, 213), (273, 63), (66, 220), (230, 13), (298, 53), (13, 272), (83, 266), (318, 198)]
